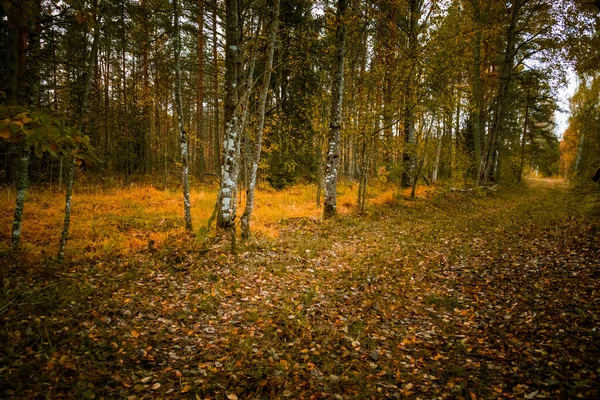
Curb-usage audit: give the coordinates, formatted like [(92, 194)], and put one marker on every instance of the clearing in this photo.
[(457, 295)]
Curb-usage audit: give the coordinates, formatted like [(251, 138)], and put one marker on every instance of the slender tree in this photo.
[(216, 107), (262, 103), (477, 88), (335, 119), (410, 93), (201, 140), (183, 139), (22, 89), (83, 108)]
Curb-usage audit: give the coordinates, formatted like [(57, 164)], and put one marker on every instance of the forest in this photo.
[(262, 199)]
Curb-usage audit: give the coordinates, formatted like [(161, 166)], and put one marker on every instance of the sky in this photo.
[(564, 94)]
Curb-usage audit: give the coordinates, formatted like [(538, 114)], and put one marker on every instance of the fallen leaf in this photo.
[(532, 395)]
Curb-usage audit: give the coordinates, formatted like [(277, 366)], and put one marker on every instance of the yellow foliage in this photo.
[(132, 219)]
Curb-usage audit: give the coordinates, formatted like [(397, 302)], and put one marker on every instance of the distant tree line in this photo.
[(293, 90)]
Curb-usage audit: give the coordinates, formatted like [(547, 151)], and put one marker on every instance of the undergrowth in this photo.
[(121, 221)]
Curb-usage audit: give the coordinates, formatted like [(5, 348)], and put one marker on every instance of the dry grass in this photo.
[(121, 221)]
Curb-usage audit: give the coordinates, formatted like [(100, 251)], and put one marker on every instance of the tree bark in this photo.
[(146, 99), (22, 182), (364, 173), (22, 89), (523, 139), (124, 116), (83, 107), (419, 168), (67, 222), (337, 95), (262, 103), (410, 101), (477, 90), (183, 139), (226, 207), (490, 152), (216, 133), (438, 153), (201, 140)]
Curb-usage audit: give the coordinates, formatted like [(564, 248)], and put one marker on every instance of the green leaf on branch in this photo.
[(45, 132)]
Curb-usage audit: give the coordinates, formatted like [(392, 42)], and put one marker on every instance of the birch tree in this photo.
[(201, 137), (262, 102), (226, 204), (83, 107), (183, 140), (22, 84), (410, 93), (335, 119)]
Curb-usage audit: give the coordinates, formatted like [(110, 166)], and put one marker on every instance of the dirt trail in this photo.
[(461, 295)]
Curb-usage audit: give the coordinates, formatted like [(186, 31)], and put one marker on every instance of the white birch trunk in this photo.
[(337, 94), (183, 140), (436, 165), (67, 222), (23, 164), (226, 204), (262, 102)]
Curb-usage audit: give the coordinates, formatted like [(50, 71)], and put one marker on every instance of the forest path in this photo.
[(461, 295)]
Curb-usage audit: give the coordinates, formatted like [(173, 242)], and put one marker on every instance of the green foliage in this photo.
[(281, 173), (45, 133), (581, 144), (395, 173)]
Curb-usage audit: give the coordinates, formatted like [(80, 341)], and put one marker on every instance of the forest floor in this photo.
[(457, 295)]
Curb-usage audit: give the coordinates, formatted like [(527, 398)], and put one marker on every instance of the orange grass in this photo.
[(123, 221)]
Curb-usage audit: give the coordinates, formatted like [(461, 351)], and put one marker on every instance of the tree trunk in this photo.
[(226, 207), (200, 95), (337, 95), (319, 154), (80, 122), (364, 174), (67, 222), (523, 139), (22, 89), (217, 135), (409, 157), (477, 91), (438, 152), (183, 140), (419, 168), (262, 103), (124, 116), (491, 149), (146, 99), (22, 181)]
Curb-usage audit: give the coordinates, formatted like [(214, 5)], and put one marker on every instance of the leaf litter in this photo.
[(494, 297)]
